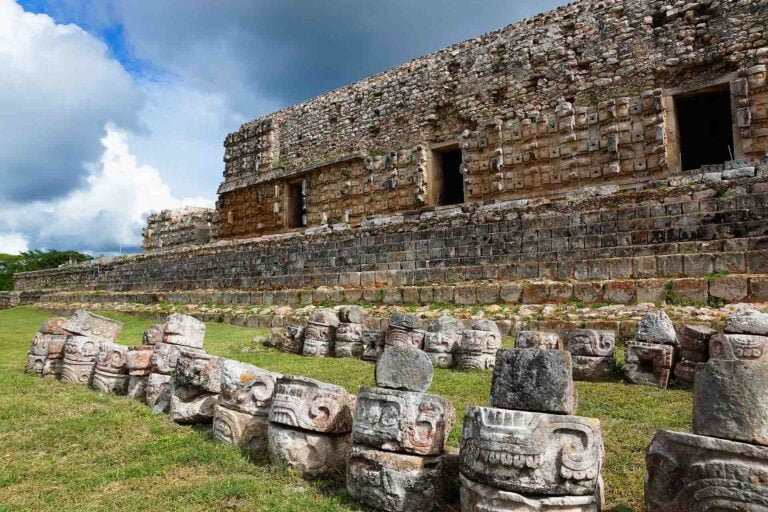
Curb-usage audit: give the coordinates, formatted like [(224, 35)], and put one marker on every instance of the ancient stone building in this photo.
[(178, 228)]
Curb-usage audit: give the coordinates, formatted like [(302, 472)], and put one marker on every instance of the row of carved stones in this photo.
[(724, 463)]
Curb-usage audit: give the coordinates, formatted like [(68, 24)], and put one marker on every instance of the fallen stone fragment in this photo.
[(402, 421), (404, 320), (446, 325), (109, 382), (349, 333), (313, 455), (190, 406), (477, 497), (35, 364), (593, 369), (351, 314), (112, 358), (532, 453), (246, 388), (54, 326), (691, 473), (85, 323), (290, 339), (590, 342), (321, 327), (165, 357), (539, 339), (530, 379), (656, 327), (158, 392), (648, 363), (199, 370), (747, 320), (442, 342), (312, 405), (53, 368), (695, 339), (77, 372), (373, 343), (137, 387), (404, 368), (750, 347), (468, 361), (153, 335), (82, 348), (138, 359), (39, 347), (184, 330), (686, 370), (243, 430)]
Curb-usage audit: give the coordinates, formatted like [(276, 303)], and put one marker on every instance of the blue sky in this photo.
[(114, 108)]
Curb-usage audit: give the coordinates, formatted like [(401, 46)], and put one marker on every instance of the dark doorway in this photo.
[(449, 183), (295, 206), (706, 128)]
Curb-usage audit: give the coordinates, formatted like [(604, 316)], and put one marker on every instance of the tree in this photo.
[(34, 260)]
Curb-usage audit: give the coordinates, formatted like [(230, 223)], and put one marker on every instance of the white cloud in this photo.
[(13, 243)]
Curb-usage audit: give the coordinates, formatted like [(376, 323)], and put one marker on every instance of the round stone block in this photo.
[(312, 454), (404, 368)]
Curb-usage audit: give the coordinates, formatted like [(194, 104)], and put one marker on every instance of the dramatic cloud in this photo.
[(13, 243), (58, 87)]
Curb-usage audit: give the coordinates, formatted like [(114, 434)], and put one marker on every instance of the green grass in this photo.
[(65, 447)]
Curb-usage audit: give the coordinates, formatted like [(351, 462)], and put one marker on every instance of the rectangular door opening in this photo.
[(447, 180), (705, 128), (294, 209)]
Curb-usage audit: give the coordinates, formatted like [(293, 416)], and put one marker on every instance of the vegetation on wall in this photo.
[(34, 260)]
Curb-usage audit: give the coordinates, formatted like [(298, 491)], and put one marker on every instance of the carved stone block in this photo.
[(404, 321), (656, 327), (402, 421), (747, 320), (109, 382), (53, 368), (199, 370), (476, 497), (694, 339), (373, 343), (246, 388), (749, 347), (158, 392), (648, 363), (442, 342), (39, 345), (311, 454), (77, 372), (539, 339), (165, 357), (349, 333), (532, 453), (240, 429), (480, 342), (348, 349), (35, 364), (137, 387), (398, 336), (112, 358), (404, 368), (153, 335), (691, 473), (84, 323), (312, 405), (590, 342), (530, 379), (184, 330), (351, 314), (316, 348), (321, 326), (468, 361), (394, 482), (190, 406), (593, 369), (54, 326), (138, 360), (446, 325), (56, 344), (442, 360), (82, 348), (729, 401)]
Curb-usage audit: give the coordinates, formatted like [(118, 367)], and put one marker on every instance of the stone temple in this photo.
[(600, 146)]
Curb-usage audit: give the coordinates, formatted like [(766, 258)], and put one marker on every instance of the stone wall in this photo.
[(13, 299), (178, 228), (578, 96)]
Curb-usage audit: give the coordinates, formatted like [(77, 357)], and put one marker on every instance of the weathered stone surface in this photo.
[(54, 326), (750, 347), (53, 368), (351, 314), (469, 361), (404, 368), (404, 321), (312, 405), (153, 335), (246, 431), (686, 370), (593, 369), (395, 482), (56, 345), (729, 401), (290, 339), (349, 333), (346, 349), (539, 339), (112, 358), (77, 372), (82, 348), (246, 388), (316, 348), (311, 454), (402, 421), (442, 360), (321, 327), (480, 342), (442, 342), (85, 323), (184, 330), (35, 364), (695, 338), (39, 345), (530, 379), (747, 320), (477, 497), (656, 327), (532, 453), (138, 359), (398, 336), (648, 363), (373, 341), (199, 370), (590, 342), (446, 325), (690, 473), (165, 358), (137, 387), (109, 382), (158, 392), (189, 405)]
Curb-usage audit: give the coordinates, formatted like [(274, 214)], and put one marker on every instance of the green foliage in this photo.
[(34, 260)]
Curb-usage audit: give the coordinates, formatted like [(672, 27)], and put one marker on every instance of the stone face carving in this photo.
[(648, 363), (184, 330), (404, 331), (81, 348), (349, 333), (442, 342), (690, 473), (53, 367), (316, 348), (35, 364), (39, 345), (138, 359), (153, 335), (308, 404), (470, 361), (85, 323), (476, 497), (189, 405), (137, 387), (532, 453), (656, 327), (311, 454), (539, 339), (750, 347), (589, 342), (165, 357), (321, 327), (441, 359), (402, 421), (291, 340), (158, 392), (393, 481), (199, 370), (240, 429), (54, 326), (729, 401), (246, 388), (77, 372), (478, 346), (747, 320), (404, 368), (112, 358), (534, 380), (109, 382)]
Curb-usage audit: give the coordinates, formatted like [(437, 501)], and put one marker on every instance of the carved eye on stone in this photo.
[(262, 390), (389, 415)]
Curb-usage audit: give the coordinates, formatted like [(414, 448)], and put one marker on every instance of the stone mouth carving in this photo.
[(311, 405), (480, 342)]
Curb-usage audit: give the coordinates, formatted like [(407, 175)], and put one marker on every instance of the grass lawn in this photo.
[(65, 447)]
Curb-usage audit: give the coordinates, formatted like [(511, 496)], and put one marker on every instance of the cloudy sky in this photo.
[(110, 109)]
